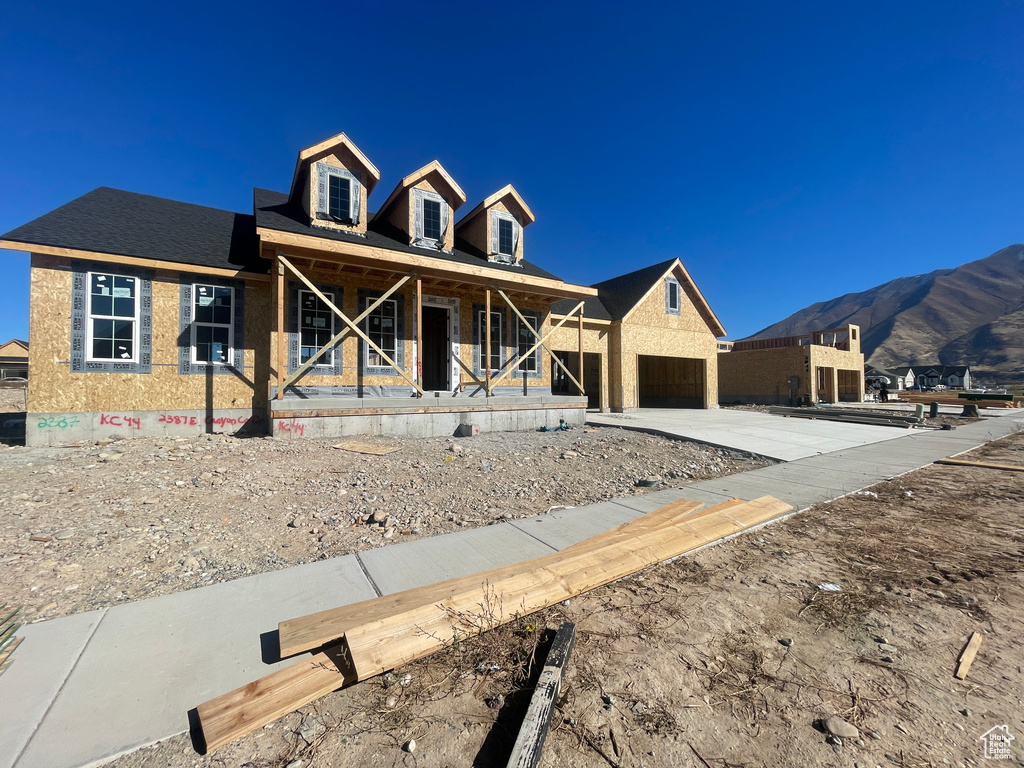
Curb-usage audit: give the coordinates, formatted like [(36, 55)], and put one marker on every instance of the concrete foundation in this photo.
[(443, 417), (49, 428)]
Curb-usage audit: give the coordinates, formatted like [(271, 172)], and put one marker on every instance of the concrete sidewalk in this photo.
[(86, 688)]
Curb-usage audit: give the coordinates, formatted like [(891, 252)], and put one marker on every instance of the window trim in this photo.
[(186, 314), (326, 360), (230, 356), (323, 213), (495, 254), (479, 336), (419, 219), (671, 282), (366, 298), (90, 317), (537, 357)]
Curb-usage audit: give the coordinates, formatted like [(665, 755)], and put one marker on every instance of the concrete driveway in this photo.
[(776, 437)]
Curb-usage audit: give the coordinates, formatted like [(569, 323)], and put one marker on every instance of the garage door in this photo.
[(670, 382)]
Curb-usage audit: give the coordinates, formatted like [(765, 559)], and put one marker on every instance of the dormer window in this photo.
[(431, 222), (337, 194), (505, 246), (339, 199)]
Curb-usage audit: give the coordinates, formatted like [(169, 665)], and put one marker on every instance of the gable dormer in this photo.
[(331, 182), (495, 227), (422, 208)]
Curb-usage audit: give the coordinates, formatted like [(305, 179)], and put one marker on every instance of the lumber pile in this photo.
[(851, 415), (952, 398), (982, 464), (358, 641)]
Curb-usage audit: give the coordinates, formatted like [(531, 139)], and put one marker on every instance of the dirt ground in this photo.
[(90, 525), (731, 657)]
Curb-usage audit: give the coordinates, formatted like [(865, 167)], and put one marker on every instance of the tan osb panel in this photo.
[(54, 388), (340, 157)]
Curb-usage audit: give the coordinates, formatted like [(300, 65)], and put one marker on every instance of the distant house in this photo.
[(14, 359), (952, 376), (819, 367), (906, 375)]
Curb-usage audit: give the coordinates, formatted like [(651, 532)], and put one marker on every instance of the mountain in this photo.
[(973, 314)]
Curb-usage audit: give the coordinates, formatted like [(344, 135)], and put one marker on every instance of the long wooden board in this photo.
[(313, 630), (373, 450), (966, 659), (390, 631), (982, 464)]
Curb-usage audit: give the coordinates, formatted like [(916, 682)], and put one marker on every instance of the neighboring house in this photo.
[(650, 340), (819, 367), (906, 376), (14, 359), (309, 316), (952, 376)]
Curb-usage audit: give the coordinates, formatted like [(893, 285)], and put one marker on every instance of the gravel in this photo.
[(80, 531)]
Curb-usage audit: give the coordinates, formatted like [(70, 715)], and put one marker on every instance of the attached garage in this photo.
[(671, 382)]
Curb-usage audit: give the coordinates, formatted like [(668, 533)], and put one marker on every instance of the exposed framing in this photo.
[(353, 325)]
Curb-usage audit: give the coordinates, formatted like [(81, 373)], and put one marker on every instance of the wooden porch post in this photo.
[(280, 328), (579, 326), (487, 341), (419, 332)]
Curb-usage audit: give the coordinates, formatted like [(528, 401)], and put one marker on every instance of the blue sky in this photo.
[(787, 152)]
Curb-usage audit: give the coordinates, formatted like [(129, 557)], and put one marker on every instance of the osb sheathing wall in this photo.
[(339, 158), (478, 232), (351, 284), (53, 388), (650, 330), (763, 374)]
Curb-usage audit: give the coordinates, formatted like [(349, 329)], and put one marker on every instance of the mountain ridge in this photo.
[(972, 314)]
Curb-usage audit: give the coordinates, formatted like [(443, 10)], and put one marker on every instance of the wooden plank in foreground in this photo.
[(373, 450), (963, 665), (255, 704), (395, 630), (305, 633), (530, 742), (982, 464)]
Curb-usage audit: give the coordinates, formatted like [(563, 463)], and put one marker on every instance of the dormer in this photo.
[(495, 227), (422, 208), (331, 182)]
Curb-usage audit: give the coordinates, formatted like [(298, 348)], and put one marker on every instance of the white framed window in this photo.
[(431, 219), (505, 231), (524, 341), (382, 328), (673, 296), (213, 322), (504, 236), (113, 318), (316, 327), (496, 339), (337, 194)]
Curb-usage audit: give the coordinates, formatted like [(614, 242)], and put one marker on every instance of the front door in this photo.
[(436, 349)]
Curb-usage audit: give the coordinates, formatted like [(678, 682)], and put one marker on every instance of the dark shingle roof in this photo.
[(274, 211), (592, 308), (129, 224), (621, 294)]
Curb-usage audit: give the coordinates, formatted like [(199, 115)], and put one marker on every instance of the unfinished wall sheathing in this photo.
[(649, 330), (596, 340), (821, 373), (63, 405)]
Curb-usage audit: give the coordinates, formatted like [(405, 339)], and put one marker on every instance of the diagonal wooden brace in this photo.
[(301, 370), (355, 328), (540, 342)]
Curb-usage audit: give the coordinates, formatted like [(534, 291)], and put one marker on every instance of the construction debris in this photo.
[(851, 415), (530, 742), (373, 450), (368, 638), (8, 642), (963, 665), (982, 464)]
